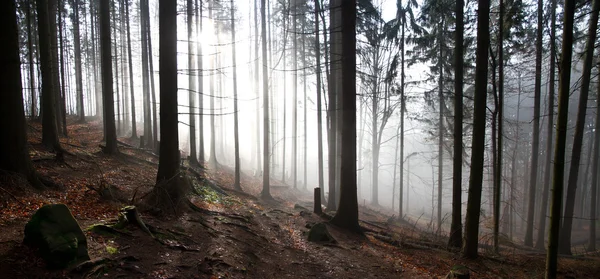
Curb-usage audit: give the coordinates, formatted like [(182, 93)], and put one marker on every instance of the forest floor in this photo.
[(231, 234)]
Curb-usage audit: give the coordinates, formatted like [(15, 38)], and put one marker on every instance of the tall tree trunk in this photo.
[(498, 178), (154, 139), (145, 77), (513, 170), (594, 185), (213, 162), (168, 164), (305, 104), (60, 67), (565, 232), (402, 111), (200, 82), (107, 79), (285, 32), (116, 69), (561, 137), (236, 139), (540, 243), (192, 83), (256, 88), (265, 194), (131, 87), (536, 128), (319, 106), (347, 212), (456, 225), (294, 10), (471, 241), (49, 126), (440, 130), (333, 107), (14, 148), (78, 71), (94, 25), (29, 19)]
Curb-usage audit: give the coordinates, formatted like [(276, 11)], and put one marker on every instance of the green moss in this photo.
[(111, 250)]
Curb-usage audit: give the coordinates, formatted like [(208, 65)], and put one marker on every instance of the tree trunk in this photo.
[(256, 88), (167, 187), (133, 117), (536, 129), (565, 232), (213, 162), (49, 126), (333, 107), (456, 225), (594, 185), (295, 94), (200, 83), (145, 76), (236, 139), (440, 131), (14, 148), (107, 79), (319, 106), (29, 19), (561, 137), (154, 139), (347, 213), (78, 71), (471, 241), (540, 243), (192, 83), (265, 194)]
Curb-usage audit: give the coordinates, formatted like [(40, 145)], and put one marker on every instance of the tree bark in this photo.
[(456, 225), (14, 148), (471, 241), (319, 105), (236, 139), (265, 194), (131, 86), (347, 213), (107, 79), (561, 137), (192, 83), (535, 146)]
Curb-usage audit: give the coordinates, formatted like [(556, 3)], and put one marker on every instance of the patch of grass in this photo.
[(209, 195)]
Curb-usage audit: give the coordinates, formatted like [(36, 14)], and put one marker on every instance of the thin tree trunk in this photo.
[(265, 194), (200, 83), (29, 19), (456, 225), (154, 139), (236, 139), (319, 106), (131, 87), (440, 132), (213, 162), (256, 88), (61, 50), (147, 142), (295, 95), (192, 83), (540, 243), (107, 79), (594, 185), (536, 129)]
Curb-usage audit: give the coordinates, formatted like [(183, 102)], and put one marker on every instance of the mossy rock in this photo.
[(55, 233), (319, 233), (459, 272)]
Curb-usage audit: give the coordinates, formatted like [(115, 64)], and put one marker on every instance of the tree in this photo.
[(535, 146), (49, 126), (265, 194), (29, 20), (192, 84), (333, 107), (200, 82), (148, 141), (540, 243), (565, 232), (236, 139), (319, 106), (561, 138), (346, 215), (78, 71), (294, 11), (471, 241), (456, 225), (594, 185), (168, 164), (14, 148), (130, 62), (107, 80)]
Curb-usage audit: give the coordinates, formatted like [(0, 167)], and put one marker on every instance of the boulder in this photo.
[(319, 233), (56, 235)]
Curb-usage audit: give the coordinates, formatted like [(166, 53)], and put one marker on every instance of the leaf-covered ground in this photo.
[(231, 234)]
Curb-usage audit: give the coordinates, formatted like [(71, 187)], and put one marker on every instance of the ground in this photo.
[(230, 234)]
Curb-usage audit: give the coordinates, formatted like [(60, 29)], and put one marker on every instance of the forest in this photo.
[(299, 139)]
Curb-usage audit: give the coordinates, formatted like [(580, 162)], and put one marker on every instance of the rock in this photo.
[(459, 272), (319, 233), (57, 236)]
